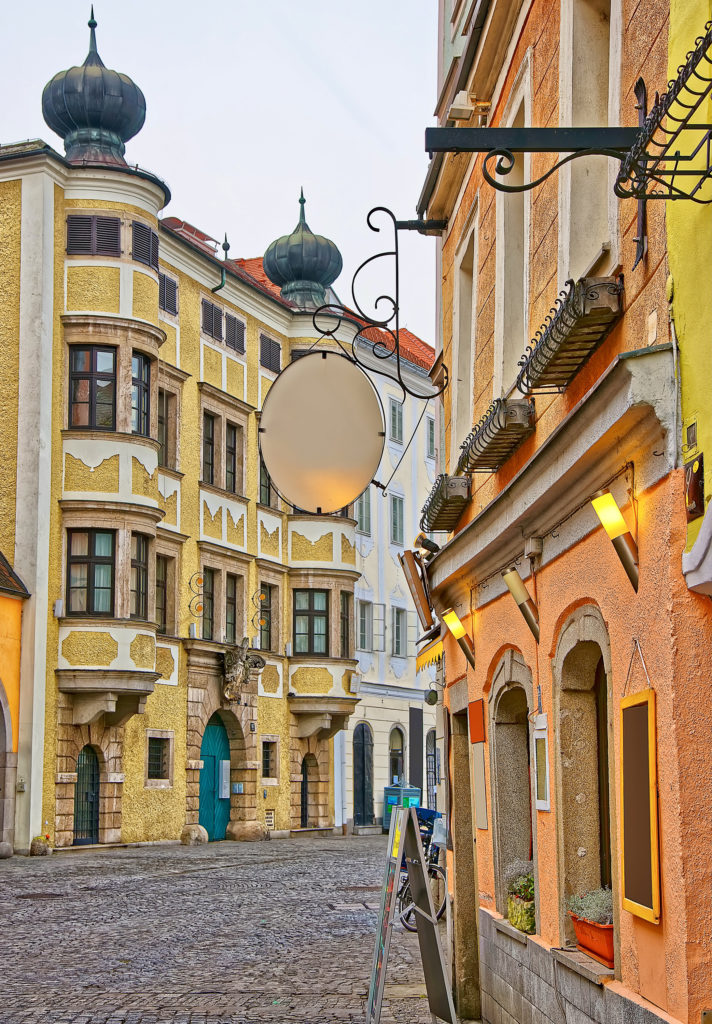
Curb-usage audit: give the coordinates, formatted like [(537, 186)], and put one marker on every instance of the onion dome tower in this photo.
[(95, 110), (303, 264)]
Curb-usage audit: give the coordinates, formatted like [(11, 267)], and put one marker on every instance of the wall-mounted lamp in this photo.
[(616, 527), (425, 546), (520, 594), (452, 621), (431, 697)]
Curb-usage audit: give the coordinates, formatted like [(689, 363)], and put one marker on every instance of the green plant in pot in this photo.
[(519, 879), (592, 916)]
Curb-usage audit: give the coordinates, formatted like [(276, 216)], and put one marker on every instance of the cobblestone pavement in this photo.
[(228, 933)]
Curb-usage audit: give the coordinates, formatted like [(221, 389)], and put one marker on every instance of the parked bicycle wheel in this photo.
[(438, 890)]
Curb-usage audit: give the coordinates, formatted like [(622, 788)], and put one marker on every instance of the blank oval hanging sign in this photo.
[(321, 432)]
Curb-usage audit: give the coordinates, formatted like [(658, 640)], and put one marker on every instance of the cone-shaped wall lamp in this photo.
[(617, 529), (452, 621), (521, 595)]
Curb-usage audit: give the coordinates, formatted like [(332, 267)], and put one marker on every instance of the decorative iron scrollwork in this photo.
[(506, 162)]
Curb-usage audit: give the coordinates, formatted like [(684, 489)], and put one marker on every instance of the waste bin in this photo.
[(398, 796)]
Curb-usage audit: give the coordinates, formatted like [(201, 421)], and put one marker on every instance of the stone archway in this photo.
[(107, 742), (513, 820), (314, 754), (8, 778)]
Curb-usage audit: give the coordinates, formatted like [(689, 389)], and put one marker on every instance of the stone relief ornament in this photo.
[(238, 662)]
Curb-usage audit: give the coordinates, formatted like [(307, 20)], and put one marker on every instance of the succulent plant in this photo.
[(595, 905)]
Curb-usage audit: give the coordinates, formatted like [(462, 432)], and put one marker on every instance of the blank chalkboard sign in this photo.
[(640, 870)]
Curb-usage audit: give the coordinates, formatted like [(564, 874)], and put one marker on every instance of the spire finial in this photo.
[(302, 202), (226, 246), (93, 55)]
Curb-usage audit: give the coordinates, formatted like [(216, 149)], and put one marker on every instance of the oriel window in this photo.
[(92, 387), (140, 394), (311, 622), (231, 457), (162, 593), (208, 448), (162, 428), (139, 576), (345, 608), (208, 603), (90, 572)]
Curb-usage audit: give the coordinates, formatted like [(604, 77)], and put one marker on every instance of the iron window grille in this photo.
[(139, 576), (161, 594), (270, 354), (90, 572), (579, 322), (211, 320), (230, 608), (397, 519), (497, 435), (208, 448), (158, 758), (345, 603), (445, 504), (265, 620), (140, 394), (231, 434), (311, 622), (269, 759), (363, 512), (92, 387), (396, 416), (234, 333), (144, 245), (208, 603), (168, 294), (92, 235)]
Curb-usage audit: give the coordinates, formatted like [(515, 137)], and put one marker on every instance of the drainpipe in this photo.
[(226, 249)]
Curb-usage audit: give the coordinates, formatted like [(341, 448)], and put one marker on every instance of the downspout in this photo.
[(226, 249)]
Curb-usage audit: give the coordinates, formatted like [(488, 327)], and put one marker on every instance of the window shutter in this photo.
[(108, 236), (217, 323), (171, 295), (207, 317), (141, 243), (270, 354), (162, 291), (412, 621), (394, 631), (79, 234), (379, 627), (234, 333), (154, 251), (367, 509)]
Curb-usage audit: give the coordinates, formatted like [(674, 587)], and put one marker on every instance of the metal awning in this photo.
[(431, 654), (584, 314), (445, 503), (499, 433)]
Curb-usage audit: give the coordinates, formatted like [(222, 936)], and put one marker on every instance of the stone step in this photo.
[(367, 830), (311, 833)]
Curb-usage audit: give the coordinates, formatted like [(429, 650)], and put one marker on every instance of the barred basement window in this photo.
[(270, 354), (144, 248), (168, 294), (158, 758), (211, 320), (93, 235), (234, 333)]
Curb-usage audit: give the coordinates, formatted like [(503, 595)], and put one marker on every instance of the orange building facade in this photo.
[(580, 749)]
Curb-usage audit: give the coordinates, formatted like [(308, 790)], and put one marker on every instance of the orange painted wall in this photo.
[(10, 634)]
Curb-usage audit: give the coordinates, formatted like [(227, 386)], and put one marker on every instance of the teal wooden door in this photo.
[(214, 813)]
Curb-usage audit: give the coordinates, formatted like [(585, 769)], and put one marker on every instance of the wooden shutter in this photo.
[(107, 236), (141, 243), (79, 234), (234, 333), (396, 519), (161, 291), (270, 354), (167, 294), (411, 635), (207, 317), (154, 251)]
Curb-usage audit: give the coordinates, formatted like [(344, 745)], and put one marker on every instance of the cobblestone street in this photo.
[(219, 934)]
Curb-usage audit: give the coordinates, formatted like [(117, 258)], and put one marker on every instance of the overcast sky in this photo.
[(246, 102)]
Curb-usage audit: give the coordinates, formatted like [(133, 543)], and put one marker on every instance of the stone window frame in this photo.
[(222, 562), (171, 548), (96, 515), (170, 380), (225, 409), (271, 780), (159, 734)]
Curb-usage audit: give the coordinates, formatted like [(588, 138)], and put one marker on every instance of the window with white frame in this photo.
[(364, 631), (398, 632), (363, 512), (397, 518), (396, 420), (429, 437)]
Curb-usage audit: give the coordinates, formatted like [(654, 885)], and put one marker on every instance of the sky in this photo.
[(248, 102)]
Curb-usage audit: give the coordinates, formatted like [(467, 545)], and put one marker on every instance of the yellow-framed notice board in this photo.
[(640, 867)]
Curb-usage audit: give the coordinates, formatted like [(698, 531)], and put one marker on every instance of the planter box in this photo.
[(596, 940), (521, 914)]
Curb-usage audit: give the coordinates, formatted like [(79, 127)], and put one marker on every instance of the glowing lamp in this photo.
[(616, 527), (458, 631), (515, 585)]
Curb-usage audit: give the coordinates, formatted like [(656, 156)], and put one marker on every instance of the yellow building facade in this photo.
[(133, 368)]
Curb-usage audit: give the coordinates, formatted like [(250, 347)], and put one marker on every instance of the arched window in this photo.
[(396, 762), (363, 774)]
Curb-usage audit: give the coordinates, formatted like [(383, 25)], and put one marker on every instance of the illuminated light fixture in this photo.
[(614, 524), (425, 546), (520, 594), (458, 631)]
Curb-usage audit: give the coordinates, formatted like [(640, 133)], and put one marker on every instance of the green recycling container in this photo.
[(398, 796)]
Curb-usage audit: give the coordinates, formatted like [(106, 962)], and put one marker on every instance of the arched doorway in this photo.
[(214, 812), (396, 762), (512, 788), (363, 774), (431, 775), (308, 817), (86, 798)]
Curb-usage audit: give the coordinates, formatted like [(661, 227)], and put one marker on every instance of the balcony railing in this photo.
[(445, 503), (498, 434), (582, 317)]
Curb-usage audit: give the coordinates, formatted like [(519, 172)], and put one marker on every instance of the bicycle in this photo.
[(405, 907)]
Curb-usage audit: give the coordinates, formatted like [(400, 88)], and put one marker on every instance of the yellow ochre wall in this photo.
[(10, 634)]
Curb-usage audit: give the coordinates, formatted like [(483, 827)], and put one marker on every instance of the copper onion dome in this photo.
[(303, 264), (95, 110)]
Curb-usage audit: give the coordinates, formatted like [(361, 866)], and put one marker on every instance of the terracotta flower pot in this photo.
[(594, 939), (521, 914)]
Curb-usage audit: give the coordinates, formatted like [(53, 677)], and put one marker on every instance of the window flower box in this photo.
[(521, 914), (596, 940)]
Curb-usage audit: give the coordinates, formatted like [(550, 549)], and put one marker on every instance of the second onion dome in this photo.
[(303, 264)]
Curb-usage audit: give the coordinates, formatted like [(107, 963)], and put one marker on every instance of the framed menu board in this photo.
[(639, 801)]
